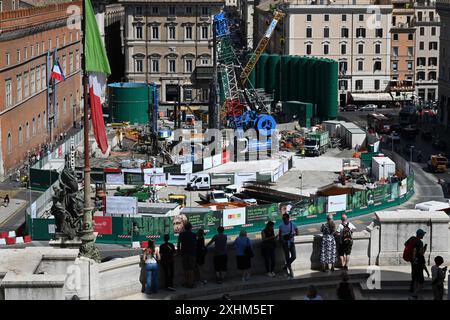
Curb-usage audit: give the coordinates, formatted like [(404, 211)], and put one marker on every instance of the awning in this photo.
[(377, 96), (405, 96)]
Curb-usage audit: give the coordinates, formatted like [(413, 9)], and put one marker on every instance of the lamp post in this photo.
[(411, 153)]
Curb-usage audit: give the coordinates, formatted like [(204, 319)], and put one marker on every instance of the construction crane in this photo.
[(278, 15)]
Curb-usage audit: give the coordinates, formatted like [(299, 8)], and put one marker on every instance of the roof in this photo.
[(383, 160), (406, 216)]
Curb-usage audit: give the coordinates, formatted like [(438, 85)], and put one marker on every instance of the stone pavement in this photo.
[(6, 212), (394, 282)]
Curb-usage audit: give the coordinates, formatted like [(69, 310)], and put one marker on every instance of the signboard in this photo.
[(272, 26), (51, 228), (186, 167), (403, 187), (233, 217), (209, 220), (115, 178), (337, 203), (265, 213), (33, 210), (121, 205), (207, 163), (151, 178), (217, 160), (103, 225)]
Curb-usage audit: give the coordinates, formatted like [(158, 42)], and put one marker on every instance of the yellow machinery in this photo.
[(438, 163), (178, 198)]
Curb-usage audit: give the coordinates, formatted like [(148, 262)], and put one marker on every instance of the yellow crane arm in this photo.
[(261, 47)]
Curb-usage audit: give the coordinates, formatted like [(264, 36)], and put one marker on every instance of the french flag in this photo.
[(57, 72)]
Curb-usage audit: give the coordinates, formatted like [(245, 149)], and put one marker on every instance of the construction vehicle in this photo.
[(178, 198), (317, 143), (215, 196), (204, 181), (437, 163)]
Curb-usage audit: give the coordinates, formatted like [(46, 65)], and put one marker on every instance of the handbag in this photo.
[(248, 251)]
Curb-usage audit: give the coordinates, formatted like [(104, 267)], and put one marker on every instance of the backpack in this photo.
[(347, 237), (409, 249)]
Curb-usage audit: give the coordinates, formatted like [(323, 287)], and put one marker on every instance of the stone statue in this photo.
[(68, 206)]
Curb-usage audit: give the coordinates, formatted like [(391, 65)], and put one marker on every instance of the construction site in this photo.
[(268, 143)]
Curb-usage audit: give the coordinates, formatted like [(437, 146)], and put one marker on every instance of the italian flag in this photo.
[(97, 67), (57, 72)]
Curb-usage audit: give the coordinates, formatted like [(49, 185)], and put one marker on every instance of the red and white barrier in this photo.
[(10, 238)]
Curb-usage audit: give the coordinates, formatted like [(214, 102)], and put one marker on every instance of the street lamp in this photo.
[(411, 153)]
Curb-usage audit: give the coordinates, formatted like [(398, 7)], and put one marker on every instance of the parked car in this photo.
[(368, 107), (350, 107)]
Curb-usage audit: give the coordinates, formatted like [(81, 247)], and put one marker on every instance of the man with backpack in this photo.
[(345, 230), (414, 253)]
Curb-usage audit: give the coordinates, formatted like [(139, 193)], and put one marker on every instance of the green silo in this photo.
[(332, 97), (301, 79), (309, 97), (321, 87), (272, 76), (128, 101), (285, 75), (293, 92), (261, 71)]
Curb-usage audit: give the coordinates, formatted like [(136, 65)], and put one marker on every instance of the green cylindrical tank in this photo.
[(293, 94), (278, 79), (309, 97), (128, 101), (301, 79), (261, 71), (285, 75), (272, 77), (332, 105), (321, 88)]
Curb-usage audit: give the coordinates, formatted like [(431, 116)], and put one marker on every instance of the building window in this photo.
[(172, 11), (205, 11), (433, 45), (155, 33), (344, 17), (57, 42), (71, 62), (138, 11), (309, 32), (377, 66), (19, 88), (44, 121), (155, 65), (50, 45), (344, 32), (326, 32), (361, 33), (410, 36), (20, 135), (361, 17), (395, 51), (205, 33), (187, 94), (410, 66), (9, 143), (395, 36), (422, 31), (32, 50), (325, 49), (343, 49), (308, 49), (432, 75), (64, 41), (39, 122), (33, 127), (343, 84), (188, 66), (27, 132), (155, 10), (7, 59), (43, 46), (420, 75), (32, 82), (43, 77), (360, 48), (410, 51), (26, 87), (432, 62), (360, 65), (64, 66), (205, 61), (377, 48), (376, 85), (8, 90), (343, 67), (172, 33), (326, 17), (188, 33), (37, 49), (433, 31), (421, 61), (431, 15), (421, 45), (139, 65), (64, 105), (308, 17), (77, 59), (18, 55), (419, 16), (379, 33), (395, 66), (172, 64), (188, 10), (359, 84), (205, 95), (138, 32)]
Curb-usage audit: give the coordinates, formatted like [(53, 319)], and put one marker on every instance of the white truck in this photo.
[(205, 181), (215, 196)]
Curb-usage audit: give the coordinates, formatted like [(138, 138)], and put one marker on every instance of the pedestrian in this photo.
[(345, 289), (18, 175), (268, 248), (200, 256), (437, 278), (6, 201), (345, 243), (244, 254), (151, 258), (187, 243), (220, 254), (328, 245), (414, 253), (167, 252), (286, 233), (302, 152), (312, 294)]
